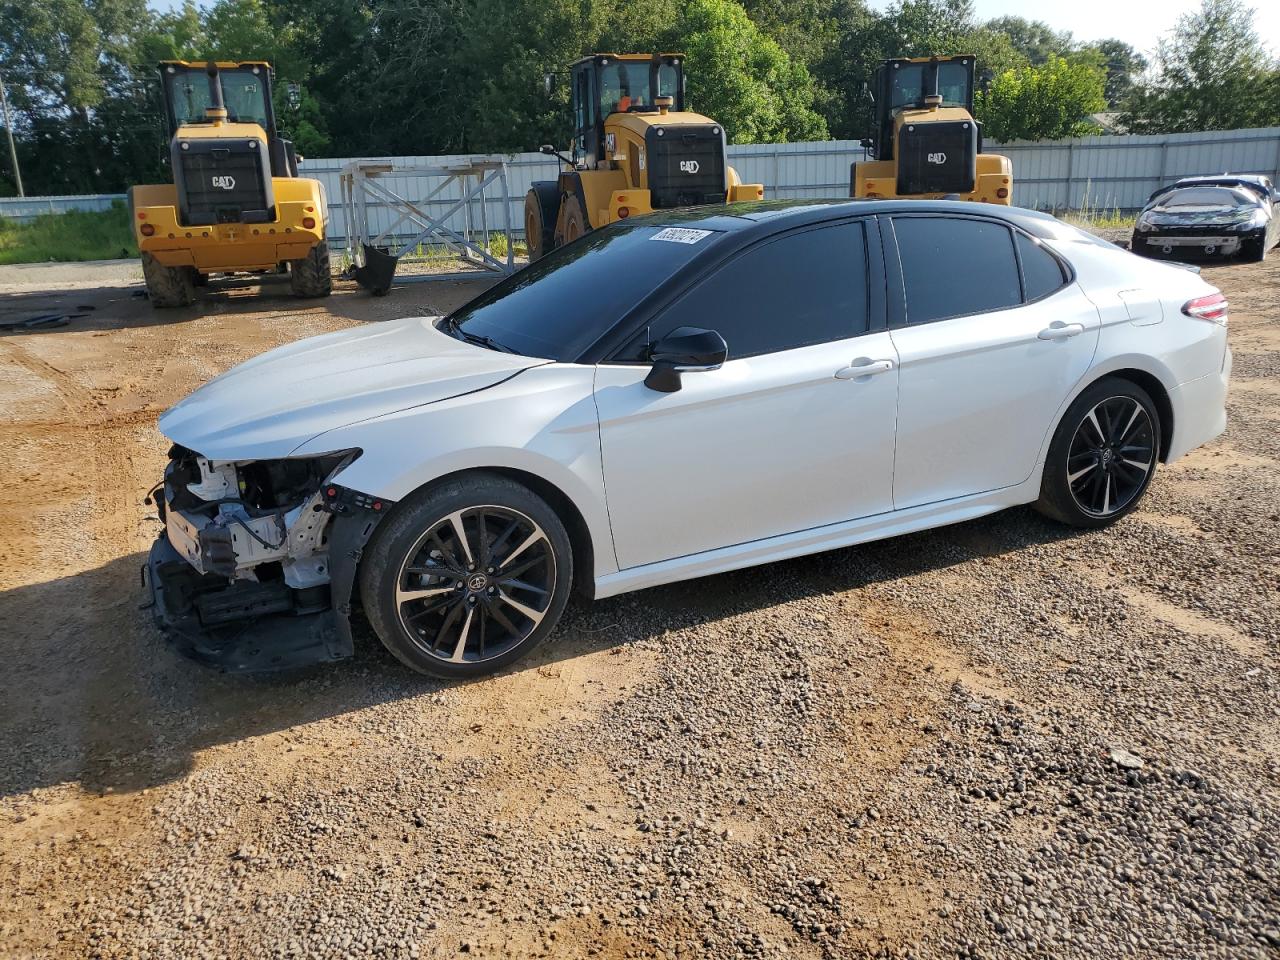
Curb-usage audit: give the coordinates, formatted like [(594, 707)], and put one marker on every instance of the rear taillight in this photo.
[(1212, 308), (148, 229)]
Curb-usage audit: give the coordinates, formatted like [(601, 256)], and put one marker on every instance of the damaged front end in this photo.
[(256, 565)]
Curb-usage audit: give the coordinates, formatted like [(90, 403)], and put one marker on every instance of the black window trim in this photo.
[(897, 313), (605, 350)]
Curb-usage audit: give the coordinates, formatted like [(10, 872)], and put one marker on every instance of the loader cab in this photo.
[(608, 83), (242, 88), (905, 84)]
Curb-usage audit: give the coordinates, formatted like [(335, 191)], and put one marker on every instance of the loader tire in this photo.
[(168, 286), (541, 210), (575, 220), (309, 277)]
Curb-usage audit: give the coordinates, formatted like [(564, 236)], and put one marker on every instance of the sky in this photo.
[(1137, 22)]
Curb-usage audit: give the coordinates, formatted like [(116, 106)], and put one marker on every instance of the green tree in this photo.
[(1211, 73), (1123, 64), (80, 116), (1034, 39), (744, 79), (1047, 102)]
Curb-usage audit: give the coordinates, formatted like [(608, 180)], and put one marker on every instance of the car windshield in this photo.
[(1208, 197), (558, 306)]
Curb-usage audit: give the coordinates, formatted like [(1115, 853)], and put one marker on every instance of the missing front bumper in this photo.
[(246, 627), (240, 627)]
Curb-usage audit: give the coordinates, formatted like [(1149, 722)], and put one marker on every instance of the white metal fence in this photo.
[(1101, 172), (1110, 172), (1121, 172), (786, 169), (23, 209)]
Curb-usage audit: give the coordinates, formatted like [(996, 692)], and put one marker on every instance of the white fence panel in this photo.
[(1121, 172), (1099, 172), (24, 209)]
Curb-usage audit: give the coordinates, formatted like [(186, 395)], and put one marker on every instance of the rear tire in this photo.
[(309, 277), (1102, 457), (168, 286), (573, 221), (467, 577), (541, 210)]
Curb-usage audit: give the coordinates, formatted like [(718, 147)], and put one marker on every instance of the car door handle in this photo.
[(1061, 331), (863, 368)]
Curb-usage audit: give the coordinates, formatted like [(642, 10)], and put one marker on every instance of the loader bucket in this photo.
[(378, 271)]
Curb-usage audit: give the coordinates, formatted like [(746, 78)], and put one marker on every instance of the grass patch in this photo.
[(74, 235), (1101, 219), (1098, 215)]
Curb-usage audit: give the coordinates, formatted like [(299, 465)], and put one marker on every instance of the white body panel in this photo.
[(715, 463), (767, 457), (977, 392), (268, 405)]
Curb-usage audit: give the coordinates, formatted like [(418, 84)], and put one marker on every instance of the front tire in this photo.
[(1102, 457), (467, 577), (309, 276)]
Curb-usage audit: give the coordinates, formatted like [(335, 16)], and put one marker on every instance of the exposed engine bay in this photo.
[(242, 573)]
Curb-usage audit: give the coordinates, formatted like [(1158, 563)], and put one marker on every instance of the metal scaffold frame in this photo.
[(479, 181)]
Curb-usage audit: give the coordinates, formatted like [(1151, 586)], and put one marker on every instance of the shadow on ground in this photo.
[(92, 693), (124, 307)]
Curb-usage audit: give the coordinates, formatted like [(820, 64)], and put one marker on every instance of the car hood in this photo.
[(1199, 216), (268, 406)]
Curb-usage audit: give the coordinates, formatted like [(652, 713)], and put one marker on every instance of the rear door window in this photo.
[(799, 289), (954, 267)]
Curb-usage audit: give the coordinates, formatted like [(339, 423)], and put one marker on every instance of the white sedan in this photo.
[(672, 397)]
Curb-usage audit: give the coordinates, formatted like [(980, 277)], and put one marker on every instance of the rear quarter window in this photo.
[(1041, 272)]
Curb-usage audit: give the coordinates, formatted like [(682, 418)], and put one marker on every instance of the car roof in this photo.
[(1229, 178), (1254, 181), (767, 216)]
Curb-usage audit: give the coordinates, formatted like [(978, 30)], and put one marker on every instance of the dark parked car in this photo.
[(1211, 216)]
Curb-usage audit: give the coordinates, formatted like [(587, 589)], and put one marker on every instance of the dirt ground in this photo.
[(922, 747)]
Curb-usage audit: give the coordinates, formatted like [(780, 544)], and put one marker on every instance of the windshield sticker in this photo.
[(680, 235)]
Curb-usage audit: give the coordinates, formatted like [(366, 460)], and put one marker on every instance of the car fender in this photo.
[(542, 422), (1113, 364)]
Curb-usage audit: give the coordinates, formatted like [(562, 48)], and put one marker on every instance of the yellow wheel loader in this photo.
[(236, 203), (635, 150), (926, 143)]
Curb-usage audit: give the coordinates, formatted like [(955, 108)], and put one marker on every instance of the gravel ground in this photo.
[(998, 739)]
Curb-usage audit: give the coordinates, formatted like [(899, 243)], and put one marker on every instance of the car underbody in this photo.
[(256, 564)]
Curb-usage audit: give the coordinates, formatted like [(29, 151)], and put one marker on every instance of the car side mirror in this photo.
[(684, 350)]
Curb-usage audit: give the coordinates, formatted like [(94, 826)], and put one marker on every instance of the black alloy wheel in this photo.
[(1112, 455), (1103, 455), (476, 584), (467, 576)]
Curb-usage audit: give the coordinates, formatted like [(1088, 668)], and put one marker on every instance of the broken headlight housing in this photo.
[(254, 519)]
